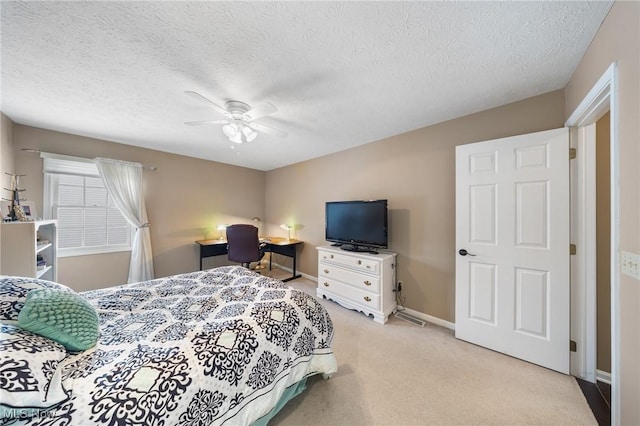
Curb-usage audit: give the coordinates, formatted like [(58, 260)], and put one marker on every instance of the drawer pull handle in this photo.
[(326, 284), (331, 256), (367, 282), (368, 266), (359, 262), (367, 299), (326, 271)]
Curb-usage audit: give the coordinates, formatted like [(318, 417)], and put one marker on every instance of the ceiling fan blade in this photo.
[(268, 129), (200, 123), (261, 110), (201, 98)]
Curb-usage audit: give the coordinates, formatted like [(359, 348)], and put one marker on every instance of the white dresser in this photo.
[(359, 281)]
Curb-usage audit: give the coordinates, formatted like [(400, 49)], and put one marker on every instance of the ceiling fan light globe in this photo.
[(230, 130), (249, 133), (237, 138)]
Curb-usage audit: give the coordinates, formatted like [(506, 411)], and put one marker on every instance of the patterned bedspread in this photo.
[(212, 347)]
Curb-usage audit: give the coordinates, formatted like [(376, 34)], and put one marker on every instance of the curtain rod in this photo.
[(151, 167)]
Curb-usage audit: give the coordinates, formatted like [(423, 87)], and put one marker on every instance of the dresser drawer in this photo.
[(361, 297), (368, 265), (356, 279)]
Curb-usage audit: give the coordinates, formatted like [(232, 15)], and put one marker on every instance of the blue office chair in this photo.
[(243, 244)]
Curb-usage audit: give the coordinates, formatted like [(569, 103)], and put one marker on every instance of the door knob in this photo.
[(464, 252)]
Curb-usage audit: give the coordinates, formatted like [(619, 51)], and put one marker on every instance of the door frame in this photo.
[(602, 97)]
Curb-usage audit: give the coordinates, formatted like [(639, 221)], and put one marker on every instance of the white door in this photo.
[(512, 219)]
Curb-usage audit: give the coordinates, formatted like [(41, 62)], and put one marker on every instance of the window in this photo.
[(88, 221)]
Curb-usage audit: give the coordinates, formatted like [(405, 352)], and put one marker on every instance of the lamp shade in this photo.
[(221, 228), (237, 138), (249, 133), (288, 228), (230, 130)]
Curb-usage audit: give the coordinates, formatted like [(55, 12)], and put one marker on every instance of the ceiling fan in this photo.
[(239, 126)]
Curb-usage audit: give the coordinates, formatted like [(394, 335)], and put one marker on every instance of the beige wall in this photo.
[(619, 40), (415, 171), (6, 158), (186, 198), (603, 239), (7, 153)]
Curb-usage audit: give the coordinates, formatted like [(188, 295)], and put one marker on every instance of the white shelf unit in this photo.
[(360, 281), (23, 242)]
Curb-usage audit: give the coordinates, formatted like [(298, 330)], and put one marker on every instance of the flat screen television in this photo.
[(357, 225)]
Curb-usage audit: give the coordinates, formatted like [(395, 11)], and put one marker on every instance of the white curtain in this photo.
[(123, 181)]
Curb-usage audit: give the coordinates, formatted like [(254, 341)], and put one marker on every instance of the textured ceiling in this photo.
[(341, 74)]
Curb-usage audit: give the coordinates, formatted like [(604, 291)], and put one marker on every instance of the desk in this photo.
[(276, 245)]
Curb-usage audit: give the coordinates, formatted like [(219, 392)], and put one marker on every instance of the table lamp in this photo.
[(221, 228), (288, 228)]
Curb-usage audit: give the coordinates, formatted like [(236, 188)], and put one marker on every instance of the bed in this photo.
[(221, 346)]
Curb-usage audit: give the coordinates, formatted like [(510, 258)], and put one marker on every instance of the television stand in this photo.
[(358, 281), (358, 249)]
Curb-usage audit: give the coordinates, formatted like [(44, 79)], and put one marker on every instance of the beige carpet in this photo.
[(403, 374)]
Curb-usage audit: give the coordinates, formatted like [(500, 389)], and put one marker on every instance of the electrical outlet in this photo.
[(630, 264)]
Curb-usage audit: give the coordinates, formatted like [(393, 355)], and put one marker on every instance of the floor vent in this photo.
[(409, 318)]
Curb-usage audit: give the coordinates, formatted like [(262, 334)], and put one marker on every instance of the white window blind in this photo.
[(88, 221)]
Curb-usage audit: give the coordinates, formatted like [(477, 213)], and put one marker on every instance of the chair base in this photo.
[(248, 266)]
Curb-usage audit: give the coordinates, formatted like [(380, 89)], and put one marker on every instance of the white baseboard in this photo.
[(431, 319), (309, 277), (286, 268), (603, 376)]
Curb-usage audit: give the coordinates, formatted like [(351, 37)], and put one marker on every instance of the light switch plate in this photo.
[(630, 264)]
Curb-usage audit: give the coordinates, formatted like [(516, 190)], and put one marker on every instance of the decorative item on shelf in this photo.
[(221, 228), (41, 263), (29, 209), (15, 210), (288, 228), (19, 213), (5, 210)]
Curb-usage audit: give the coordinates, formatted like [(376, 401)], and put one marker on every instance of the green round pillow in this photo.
[(63, 316)]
